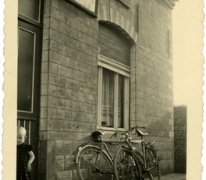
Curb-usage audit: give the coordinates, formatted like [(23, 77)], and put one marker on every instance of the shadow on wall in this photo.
[(159, 128)]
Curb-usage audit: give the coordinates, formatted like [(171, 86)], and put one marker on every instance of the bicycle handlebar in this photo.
[(126, 134), (115, 134)]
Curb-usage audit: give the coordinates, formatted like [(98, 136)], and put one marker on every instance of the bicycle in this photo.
[(147, 159), (96, 162)]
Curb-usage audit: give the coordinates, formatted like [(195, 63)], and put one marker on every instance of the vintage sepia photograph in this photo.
[(103, 90)]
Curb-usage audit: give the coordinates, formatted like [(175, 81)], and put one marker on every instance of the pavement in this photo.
[(173, 176)]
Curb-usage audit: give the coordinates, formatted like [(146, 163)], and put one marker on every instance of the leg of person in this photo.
[(26, 176)]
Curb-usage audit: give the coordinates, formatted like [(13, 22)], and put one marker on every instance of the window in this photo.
[(113, 94)]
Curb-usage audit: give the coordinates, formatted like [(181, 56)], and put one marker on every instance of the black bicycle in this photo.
[(128, 159)]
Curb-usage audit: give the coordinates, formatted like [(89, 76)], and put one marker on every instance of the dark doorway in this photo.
[(29, 68)]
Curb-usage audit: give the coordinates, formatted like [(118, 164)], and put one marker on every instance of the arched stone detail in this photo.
[(113, 17)]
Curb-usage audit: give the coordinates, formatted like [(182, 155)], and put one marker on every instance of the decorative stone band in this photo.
[(113, 17), (170, 3)]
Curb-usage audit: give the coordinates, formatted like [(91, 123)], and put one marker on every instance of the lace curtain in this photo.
[(108, 98)]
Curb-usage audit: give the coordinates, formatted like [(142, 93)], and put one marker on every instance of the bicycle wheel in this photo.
[(94, 164), (126, 165), (153, 163), (145, 174)]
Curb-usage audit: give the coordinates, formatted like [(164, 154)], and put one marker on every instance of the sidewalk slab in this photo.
[(174, 176)]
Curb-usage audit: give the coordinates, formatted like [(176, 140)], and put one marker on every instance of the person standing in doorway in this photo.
[(25, 156)]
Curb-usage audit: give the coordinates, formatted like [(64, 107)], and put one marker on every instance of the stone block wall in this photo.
[(68, 86), (152, 84), (180, 139), (69, 78)]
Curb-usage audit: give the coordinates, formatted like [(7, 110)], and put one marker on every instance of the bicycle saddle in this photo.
[(96, 133), (140, 133)]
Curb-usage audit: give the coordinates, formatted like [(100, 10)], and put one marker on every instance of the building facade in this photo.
[(103, 65)]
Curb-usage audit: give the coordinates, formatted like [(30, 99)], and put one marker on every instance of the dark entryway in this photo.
[(29, 62)]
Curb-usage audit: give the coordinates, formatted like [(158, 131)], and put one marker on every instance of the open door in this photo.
[(29, 68)]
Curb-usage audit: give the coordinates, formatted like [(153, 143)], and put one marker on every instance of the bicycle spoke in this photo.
[(93, 164), (125, 166)]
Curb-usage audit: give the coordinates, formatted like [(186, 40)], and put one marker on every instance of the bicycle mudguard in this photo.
[(82, 148), (149, 145), (82, 145)]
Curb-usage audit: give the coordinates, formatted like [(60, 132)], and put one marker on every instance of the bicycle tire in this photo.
[(140, 158), (152, 162), (94, 164), (126, 166)]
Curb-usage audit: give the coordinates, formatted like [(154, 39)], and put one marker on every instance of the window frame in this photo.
[(117, 68), (30, 19), (33, 68)]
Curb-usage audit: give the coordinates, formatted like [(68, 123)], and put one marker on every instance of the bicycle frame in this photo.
[(144, 146), (103, 144)]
